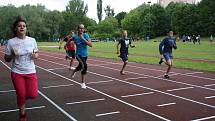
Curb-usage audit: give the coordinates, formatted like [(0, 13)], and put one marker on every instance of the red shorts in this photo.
[(26, 86)]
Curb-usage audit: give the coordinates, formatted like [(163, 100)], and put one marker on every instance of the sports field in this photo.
[(140, 95), (188, 55)]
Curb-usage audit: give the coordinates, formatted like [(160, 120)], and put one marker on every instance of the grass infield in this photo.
[(188, 55)]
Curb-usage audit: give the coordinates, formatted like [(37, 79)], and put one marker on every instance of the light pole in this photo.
[(149, 2)]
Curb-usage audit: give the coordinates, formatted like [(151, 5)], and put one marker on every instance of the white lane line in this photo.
[(195, 72), (86, 101), (57, 86), (202, 119), (58, 107), (168, 80), (32, 108), (180, 97), (102, 64), (55, 69), (7, 91), (167, 104), (100, 82), (209, 85), (132, 66), (110, 113), (138, 94), (49, 46), (131, 105), (154, 69), (209, 97), (136, 78), (179, 89)]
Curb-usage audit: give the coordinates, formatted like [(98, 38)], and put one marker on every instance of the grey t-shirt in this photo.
[(23, 48)]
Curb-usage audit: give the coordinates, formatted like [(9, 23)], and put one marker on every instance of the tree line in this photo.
[(144, 20)]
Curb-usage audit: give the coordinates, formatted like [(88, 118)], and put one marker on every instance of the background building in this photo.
[(164, 3)]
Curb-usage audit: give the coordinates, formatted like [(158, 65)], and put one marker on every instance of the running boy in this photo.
[(124, 43), (165, 49), (69, 47)]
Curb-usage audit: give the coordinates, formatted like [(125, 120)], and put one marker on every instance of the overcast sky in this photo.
[(117, 5)]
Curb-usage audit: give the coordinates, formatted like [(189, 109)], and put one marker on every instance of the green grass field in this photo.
[(188, 55)]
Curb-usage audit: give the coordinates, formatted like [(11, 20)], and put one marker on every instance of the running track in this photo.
[(140, 95)]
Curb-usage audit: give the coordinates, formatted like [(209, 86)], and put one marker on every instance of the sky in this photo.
[(60, 5)]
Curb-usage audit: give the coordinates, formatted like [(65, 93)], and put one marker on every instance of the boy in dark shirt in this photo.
[(124, 43), (165, 49)]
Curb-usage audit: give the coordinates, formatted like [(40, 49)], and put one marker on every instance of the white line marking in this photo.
[(7, 91), (201, 119), (131, 105), (168, 80), (195, 73), (7, 111), (209, 97), (102, 64), (49, 46), (58, 107), (104, 114), (187, 99), (167, 104), (57, 86), (86, 101), (55, 69), (130, 66), (209, 85), (136, 78), (99, 82), (138, 94), (179, 89)]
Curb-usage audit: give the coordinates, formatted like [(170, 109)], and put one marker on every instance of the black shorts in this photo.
[(124, 56), (70, 53)]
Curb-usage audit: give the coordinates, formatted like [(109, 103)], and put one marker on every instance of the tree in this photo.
[(99, 10), (109, 11), (120, 16), (107, 27), (207, 16), (77, 7)]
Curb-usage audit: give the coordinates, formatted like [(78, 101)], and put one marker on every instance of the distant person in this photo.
[(184, 38), (194, 37), (82, 41), (198, 38), (124, 43), (2, 41), (211, 38), (22, 51), (69, 47), (165, 49)]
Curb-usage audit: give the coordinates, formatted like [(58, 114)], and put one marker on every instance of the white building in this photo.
[(164, 3)]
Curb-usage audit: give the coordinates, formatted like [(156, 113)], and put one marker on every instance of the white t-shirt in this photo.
[(23, 48)]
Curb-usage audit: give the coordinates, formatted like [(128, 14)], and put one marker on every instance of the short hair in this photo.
[(79, 26)]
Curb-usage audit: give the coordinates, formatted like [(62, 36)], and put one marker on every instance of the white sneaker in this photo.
[(73, 74), (70, 68), (83, 85)]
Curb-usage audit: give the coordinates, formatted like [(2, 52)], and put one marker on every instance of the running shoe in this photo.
[(161, 61), (166, 76), (83, 86)]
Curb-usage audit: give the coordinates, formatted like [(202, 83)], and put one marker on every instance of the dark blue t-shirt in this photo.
[(166, 45)]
